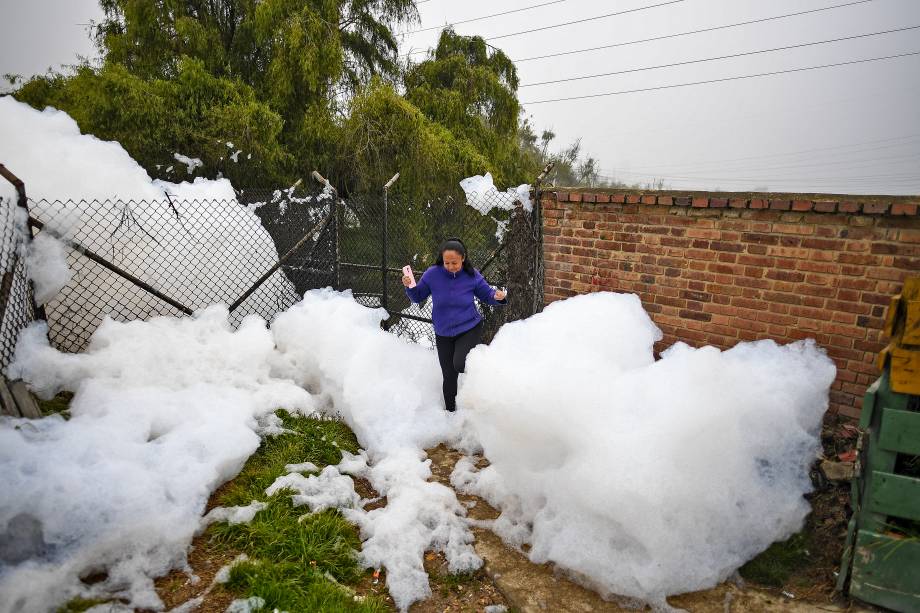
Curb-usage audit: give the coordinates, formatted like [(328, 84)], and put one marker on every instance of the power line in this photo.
[(843, 165), (455, 23), (788, 154), (568, 23), (688, 33), (894, 177), (719, 57), (751, 76)]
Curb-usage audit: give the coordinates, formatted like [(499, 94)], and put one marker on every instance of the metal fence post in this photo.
[(23, 203), (384, 256)]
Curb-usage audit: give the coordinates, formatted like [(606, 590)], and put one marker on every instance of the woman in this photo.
[(452, 282)]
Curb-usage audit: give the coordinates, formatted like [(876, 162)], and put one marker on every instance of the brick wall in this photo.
[(719, 270)]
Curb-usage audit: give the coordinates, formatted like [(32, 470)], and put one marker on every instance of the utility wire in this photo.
[(455, 23), (838, 149), (888, 176), (568, 23), (678, 34), (750, 76), (719, 57)]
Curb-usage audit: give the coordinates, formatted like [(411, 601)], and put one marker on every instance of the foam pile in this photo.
[(642, 478), (165, 411), (388, 392)]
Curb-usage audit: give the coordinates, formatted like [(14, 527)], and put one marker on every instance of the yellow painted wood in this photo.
[(905, 371), (911, 323)]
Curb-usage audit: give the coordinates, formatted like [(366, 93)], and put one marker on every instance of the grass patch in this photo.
[(320, 441), (285, 586), (299, 561), (60, 404), (79, 605), (774, 566)]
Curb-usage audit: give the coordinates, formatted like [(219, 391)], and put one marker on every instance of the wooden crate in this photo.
[(884, 568)]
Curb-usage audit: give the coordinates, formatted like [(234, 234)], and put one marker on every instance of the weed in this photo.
[(60, 404), (775, 565), (79, 605)]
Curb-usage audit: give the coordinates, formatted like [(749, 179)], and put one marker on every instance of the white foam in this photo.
[(642, 478)]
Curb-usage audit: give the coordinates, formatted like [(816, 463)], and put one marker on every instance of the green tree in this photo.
[(470, 88), (193, 114)]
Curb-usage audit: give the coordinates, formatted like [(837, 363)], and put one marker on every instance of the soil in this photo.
[(509, 578)]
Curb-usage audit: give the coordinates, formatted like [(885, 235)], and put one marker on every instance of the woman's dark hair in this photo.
[(455, 244)]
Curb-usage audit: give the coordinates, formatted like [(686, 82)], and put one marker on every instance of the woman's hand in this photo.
[(407, 281), (500, 294)]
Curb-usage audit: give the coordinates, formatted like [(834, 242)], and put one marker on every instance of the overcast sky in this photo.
[(847, 129)]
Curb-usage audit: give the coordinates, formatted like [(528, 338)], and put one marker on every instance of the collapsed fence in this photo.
[(257, 254)]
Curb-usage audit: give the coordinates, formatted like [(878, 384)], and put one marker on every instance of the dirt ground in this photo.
[(508, 578)]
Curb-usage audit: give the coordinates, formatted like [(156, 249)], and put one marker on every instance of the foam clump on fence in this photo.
[(46, 263), (482, 195), (643, 478), (93, 193), (165, 411)]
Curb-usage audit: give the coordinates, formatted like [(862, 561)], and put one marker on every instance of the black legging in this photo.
[(452, 352)]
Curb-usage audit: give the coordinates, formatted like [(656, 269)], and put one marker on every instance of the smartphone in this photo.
[(407, 271)]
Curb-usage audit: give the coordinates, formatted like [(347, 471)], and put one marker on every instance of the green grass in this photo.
[(78, 605), (320, 441), (59, 404), (299, 561), (775, 565)]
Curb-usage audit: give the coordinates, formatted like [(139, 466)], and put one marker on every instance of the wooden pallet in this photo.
[(17, 401), (881, 562)]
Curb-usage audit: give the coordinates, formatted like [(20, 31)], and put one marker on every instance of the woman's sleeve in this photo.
[(421, 291), (485, 293)]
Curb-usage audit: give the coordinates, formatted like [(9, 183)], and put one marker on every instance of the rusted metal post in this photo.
[(384, 251), (23, 202)]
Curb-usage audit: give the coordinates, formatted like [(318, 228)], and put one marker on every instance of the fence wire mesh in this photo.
[(373, 252), (139, 259), (16, 306), (195, 253)]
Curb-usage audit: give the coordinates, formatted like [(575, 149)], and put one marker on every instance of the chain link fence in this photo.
[(17, 309), (379, 234), (257, 253), (139, 259)]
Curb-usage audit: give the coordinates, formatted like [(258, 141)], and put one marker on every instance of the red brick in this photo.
[(759, 203), (574, 197), (802, 205), (649, 200), (602, 198), (848, 206), (562, 196), (700, 203), (823, 206), (780, 205), (617, 198), (632, 198), (904, 208), (665, 200), (588, 197), (875, 208), (718, 203)]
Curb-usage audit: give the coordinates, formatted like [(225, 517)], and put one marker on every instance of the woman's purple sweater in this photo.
[(453, 311)]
